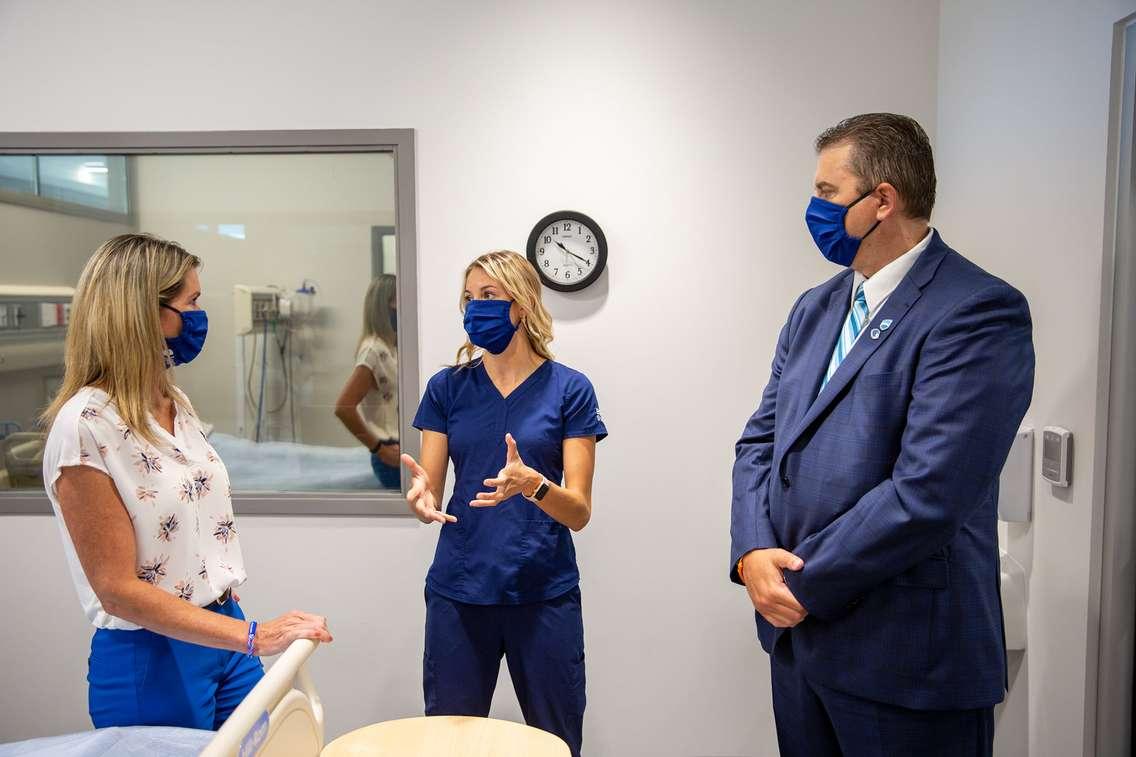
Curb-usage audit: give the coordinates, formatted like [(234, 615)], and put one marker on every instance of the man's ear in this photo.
[(890, 201)]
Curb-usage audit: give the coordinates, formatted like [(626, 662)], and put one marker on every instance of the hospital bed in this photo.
[(292, 467), (253, 466), (281, 717)]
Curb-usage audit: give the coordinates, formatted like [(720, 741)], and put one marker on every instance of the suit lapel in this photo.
[(873, 336), (832, 323), (801, 375)]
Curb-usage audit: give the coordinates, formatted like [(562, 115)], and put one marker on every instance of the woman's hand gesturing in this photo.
[(421, 497), (515, 478)]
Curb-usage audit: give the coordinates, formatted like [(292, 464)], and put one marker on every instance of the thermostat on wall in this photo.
[(1056, 455)]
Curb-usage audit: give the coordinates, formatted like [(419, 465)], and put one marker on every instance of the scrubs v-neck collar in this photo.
[(520, 388)]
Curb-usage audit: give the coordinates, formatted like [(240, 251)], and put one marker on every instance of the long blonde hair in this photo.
[(114, 338), (520, 282), (376, 310)]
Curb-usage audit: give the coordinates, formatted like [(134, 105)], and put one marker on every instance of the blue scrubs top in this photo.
[(513, 553)]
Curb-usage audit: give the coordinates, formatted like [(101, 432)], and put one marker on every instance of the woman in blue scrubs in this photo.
[(521, 430)]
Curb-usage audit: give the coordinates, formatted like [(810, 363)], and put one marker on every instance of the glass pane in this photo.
[(17, 173), (298, 280), (96, 181), (288, 248)]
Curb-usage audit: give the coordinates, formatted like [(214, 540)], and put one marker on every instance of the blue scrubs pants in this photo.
[(816, 721), (144, 678), (544, 644), (389, 476)]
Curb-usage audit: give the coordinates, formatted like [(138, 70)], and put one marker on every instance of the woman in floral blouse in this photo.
[(144, 503)]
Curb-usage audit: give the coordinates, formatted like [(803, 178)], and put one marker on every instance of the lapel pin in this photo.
[(886, 324), (875, 333)]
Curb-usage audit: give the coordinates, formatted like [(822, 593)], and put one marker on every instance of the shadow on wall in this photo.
[(577, 306)]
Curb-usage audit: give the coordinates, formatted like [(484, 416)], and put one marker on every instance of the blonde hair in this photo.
[(520, 282), (114, 338), (376, 310)]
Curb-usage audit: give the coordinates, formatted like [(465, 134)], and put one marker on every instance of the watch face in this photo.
[(568, 250)]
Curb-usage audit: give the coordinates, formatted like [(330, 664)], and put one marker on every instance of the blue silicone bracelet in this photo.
[(251, 639)]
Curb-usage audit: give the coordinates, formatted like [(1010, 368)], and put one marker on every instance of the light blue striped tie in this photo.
[(857, 317)]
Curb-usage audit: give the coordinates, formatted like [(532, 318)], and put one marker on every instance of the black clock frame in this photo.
[(601, 249)]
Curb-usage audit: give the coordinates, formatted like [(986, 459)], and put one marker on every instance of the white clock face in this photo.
[(567, 252)]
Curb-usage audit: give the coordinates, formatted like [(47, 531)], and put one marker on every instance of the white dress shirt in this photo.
[(878, 288)]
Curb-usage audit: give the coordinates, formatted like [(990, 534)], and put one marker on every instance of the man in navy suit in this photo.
[(865, 488)]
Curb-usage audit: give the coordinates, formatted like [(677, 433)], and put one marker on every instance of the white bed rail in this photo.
[(276, 718)]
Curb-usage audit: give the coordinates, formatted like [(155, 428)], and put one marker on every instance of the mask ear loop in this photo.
[(861, 197), (167, 353)]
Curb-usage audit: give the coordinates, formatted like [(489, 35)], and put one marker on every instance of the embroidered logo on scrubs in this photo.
[(886, 324), (598, 416), (875, 333)]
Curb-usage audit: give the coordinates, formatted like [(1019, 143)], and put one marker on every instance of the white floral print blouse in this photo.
[(380, 406), (176, 493)]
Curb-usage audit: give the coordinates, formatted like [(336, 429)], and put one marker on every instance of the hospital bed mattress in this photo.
[(287, 466)]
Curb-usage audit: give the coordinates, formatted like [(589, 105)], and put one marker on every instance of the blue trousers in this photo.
[(816, 721), (144, 678), (544, 644), (389, 476)]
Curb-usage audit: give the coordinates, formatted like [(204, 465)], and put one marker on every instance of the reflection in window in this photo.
[(98, 182), (368, 403), (287, 243), (18, 173), (94, 181)]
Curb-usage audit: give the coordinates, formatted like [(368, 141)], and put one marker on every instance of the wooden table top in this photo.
[(447, 736)]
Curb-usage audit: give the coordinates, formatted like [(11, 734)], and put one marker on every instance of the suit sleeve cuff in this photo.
[(818, 604)]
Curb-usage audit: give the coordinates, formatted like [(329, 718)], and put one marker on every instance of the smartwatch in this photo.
[(541, 490)]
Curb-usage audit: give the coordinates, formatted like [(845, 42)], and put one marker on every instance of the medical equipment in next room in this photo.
[(270, 323), (33, 324)]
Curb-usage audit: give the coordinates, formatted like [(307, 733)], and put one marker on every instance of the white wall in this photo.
[(684, 129), (1021, 153), (303, 217)]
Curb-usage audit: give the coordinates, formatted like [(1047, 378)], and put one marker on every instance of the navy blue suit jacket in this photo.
[(886, 484)]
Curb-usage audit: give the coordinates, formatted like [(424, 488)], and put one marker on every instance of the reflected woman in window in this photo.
[(521, 430), (144, 504), (373, 383)]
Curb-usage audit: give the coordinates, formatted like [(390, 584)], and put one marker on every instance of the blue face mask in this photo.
[(826, 223), (188, 343), (488, 324)]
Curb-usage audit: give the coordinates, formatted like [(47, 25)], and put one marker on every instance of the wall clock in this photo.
[(568, 250)]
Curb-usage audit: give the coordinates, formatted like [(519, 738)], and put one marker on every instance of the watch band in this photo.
[(541, 490)]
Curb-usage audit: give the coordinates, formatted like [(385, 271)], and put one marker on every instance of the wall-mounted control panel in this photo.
[(1057, 455)]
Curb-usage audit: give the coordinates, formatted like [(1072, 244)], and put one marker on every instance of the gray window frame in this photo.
[(398, 142)]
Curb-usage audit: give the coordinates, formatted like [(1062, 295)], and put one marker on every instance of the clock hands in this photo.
[(558, 244)]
